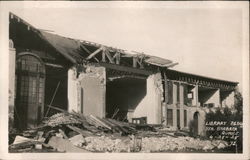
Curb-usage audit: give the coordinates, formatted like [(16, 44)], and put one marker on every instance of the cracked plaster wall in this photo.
[(86, 92), (150, 106)]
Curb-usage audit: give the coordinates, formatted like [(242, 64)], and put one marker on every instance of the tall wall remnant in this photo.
[(87, 90), (73, 84), (12, 67), (151, 105)]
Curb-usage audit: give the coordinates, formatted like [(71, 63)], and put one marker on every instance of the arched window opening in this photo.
[(30, 81)]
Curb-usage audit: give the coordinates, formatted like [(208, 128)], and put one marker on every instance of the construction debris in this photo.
[(64, 145), (74, 132), (61, 119), (21, 139), (78, 140)]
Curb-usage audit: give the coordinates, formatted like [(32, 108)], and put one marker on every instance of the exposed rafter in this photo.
[(125, 68), (110, 58), (113, 74), (113, 59), (94, 53), (117, 57), (86, 50), (138, 60)]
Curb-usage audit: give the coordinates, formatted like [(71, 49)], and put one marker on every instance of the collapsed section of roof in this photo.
[(77, 51), (159, 61), (67, 47)]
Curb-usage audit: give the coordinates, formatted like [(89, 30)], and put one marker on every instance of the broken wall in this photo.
[(87, 90), (124, 95), (12, 67), (73, 85), (150, 106)]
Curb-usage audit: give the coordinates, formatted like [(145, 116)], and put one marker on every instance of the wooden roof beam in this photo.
[(111, 59), (117, 57), (86, 50), (125, 68), (138, 60), (94, 53)]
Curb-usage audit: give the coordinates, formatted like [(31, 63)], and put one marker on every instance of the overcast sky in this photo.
[(204, 41)]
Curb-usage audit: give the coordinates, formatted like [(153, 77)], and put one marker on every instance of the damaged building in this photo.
[(49, 70)]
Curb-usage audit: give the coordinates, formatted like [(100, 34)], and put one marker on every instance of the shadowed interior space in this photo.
[(124, 95), (206, 95), (55, 90)]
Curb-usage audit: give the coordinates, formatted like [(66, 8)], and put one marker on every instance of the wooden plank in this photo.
[(114, 127), (84, 48), (111, 60), (117, 57), (171, 65), (99, 122), (80, 131), (103, 56), (124, 68), (123, 124), (94, 53), (56, 108), (92, 122), (115, 113), (84, 121), (140, 62), (135, 62), (120, 127)]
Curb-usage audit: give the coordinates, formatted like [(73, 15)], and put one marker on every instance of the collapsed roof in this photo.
[(77, 51)]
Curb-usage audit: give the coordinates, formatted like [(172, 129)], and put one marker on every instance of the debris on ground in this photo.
[(64, 145), (74, 132)]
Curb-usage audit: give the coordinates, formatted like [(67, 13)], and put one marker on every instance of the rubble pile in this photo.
[(165, 144), (74, 132), (150, 144), (60, 119), (107, 144)]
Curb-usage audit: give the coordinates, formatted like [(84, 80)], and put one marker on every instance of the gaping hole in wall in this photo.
[(55, 89), (123, 95), (207, 97)]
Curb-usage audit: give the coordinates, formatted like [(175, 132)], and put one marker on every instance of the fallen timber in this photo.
[(75, 132)]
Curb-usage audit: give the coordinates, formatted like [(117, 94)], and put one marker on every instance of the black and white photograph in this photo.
[(126, 77)]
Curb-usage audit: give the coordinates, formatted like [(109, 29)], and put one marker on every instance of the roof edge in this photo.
[(216, 79)]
